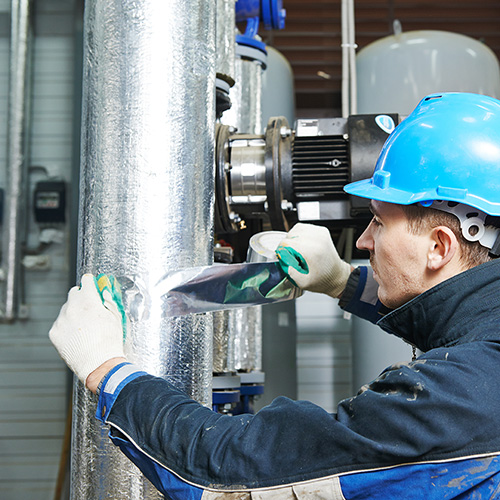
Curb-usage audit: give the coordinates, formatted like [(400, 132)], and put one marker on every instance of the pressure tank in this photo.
[(393, 75), (395, 72), (278, 91)]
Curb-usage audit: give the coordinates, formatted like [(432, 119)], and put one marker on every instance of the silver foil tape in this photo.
[(146, 200), (215, 288)]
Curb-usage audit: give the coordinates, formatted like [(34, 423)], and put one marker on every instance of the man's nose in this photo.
[(365, 241)]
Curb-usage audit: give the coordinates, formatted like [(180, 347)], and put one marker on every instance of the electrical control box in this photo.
[(50, 202)]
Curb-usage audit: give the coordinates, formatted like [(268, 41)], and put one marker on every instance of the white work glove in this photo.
[(308, 256), (88, 330)]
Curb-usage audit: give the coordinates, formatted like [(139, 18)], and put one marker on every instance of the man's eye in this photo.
[(376, 222)]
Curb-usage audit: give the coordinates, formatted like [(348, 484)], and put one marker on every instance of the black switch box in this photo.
[(50, 201)]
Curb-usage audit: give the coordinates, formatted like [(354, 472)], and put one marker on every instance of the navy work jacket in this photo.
[(428, 429)]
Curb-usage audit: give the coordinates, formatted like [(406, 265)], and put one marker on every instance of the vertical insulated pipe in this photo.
[(225, 41), (246, 98), (17, 138), (146, 199), (223, 356), (245, 325)]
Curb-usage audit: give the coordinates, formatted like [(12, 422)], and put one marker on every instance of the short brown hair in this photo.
[(420, 218)]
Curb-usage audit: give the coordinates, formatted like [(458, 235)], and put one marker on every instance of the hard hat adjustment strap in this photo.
[(472, 218), (495, 249)]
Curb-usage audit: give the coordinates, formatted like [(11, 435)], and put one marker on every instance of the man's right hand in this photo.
[(309, 257), (88, 331)]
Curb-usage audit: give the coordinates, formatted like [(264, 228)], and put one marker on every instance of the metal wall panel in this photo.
[(33, 379)]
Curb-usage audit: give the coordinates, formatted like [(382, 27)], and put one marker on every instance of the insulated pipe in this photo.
[(146, 200), (225, 41), (246, 95), (245, 325), (19, 79)]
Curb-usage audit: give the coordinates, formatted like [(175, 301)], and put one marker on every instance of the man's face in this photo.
[(398, 257)]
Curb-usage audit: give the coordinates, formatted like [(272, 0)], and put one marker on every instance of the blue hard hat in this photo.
[(447, 149)]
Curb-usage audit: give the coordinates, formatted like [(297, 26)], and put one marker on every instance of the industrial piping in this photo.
[(19, 98), (146, 199)]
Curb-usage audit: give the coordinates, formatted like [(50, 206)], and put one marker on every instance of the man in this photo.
[(428, 429)]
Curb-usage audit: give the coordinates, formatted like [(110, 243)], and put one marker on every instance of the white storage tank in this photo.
[(278, 92), (395, 72)]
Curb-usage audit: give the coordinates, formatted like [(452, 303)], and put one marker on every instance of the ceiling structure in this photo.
[(311, 40)]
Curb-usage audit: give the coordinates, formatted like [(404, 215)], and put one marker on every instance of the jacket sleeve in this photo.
[(403, 416), (360, 296)]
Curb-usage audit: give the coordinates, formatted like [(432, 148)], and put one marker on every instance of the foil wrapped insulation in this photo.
[(246, 98), (225, 41), (245, 326), (214, 288), (146, 198), (224, 361)]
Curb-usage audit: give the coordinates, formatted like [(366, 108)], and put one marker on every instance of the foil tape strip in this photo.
[(208, 288)]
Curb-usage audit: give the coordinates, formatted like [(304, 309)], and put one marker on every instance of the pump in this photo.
[(286, 176)]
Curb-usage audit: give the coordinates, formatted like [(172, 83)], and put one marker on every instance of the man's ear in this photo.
[(443, 247)]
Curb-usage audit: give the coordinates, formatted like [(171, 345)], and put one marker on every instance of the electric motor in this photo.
[(286, 176)]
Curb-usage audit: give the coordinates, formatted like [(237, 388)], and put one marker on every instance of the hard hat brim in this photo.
[(366, 188)]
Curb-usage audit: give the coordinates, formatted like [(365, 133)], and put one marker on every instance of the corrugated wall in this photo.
[(33, 380)]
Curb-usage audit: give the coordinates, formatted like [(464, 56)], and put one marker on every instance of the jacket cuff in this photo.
[(112, 384), (360, 296)]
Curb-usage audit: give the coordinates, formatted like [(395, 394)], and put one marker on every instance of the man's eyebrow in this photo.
[(373, 210)]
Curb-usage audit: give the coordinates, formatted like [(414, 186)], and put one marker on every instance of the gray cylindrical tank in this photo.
[(395, 72), (278, 90)]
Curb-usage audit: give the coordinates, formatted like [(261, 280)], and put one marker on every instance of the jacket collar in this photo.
[(442, 315)]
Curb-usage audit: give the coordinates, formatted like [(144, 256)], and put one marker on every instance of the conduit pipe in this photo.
[(348, 44), (349, 88), (17, 146), (146, 199)]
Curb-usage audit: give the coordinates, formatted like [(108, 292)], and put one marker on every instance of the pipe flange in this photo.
[(277, 146), (225, 221)]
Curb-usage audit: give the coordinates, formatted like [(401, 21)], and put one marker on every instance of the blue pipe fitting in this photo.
[(270, 12)]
